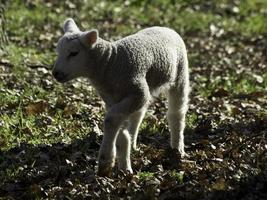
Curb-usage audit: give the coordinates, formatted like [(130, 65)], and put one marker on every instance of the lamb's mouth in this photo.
[(62, 78)]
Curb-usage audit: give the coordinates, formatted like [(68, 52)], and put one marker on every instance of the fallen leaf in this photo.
[(36, 108), (220, 184), (221, 92)]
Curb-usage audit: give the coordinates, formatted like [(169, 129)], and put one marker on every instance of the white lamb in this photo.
[(127, 74)]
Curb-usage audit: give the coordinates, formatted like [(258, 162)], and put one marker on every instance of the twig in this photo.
[(37, 65), (6, 64)]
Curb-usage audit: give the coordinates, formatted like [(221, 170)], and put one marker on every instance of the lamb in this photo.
[(127, 74)]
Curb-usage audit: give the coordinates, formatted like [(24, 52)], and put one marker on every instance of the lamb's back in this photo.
[(153, 52)]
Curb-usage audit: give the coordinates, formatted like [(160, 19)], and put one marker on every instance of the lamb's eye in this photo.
[(72, 54)]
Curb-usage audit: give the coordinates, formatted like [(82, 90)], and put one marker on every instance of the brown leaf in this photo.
[(204, 142), (36, 108), (27, 131), (3, 143), (221, 92), (69, 110), (220, 184), (36, 189)]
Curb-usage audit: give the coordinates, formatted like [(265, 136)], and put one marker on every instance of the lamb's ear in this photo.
[(70, 26), (89, 38)]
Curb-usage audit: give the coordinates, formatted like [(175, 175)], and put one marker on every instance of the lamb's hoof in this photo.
[(180, 152), (134, 148), (183, 155), (126, 170), (104, 171)]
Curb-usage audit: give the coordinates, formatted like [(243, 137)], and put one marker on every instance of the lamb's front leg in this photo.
[(107, 153), (116, 115), (123, 145)]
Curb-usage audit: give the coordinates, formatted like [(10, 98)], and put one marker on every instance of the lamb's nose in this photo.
[(58, 75)]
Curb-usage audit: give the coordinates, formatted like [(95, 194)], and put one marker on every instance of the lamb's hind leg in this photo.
[(135, 121), (123, 142), (178, 104)]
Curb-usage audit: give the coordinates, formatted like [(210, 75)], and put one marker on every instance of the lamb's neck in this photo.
[(104, 54)]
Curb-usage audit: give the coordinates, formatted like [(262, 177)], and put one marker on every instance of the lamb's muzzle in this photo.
[(59, 76)]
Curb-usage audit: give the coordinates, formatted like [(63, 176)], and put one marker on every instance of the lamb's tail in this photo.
[(183, 66)]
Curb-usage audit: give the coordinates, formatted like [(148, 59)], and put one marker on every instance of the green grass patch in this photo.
[(144, 176), (179, 176), (28, 21)]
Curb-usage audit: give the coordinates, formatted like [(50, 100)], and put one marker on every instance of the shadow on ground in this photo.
[(68, 170)]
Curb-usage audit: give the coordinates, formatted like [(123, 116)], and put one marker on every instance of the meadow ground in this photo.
[(50, 133)]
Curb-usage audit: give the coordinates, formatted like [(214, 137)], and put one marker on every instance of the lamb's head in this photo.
[(73, 49)]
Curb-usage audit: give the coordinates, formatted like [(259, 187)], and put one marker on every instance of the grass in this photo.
[(145, 175), (179, 176), (31, 23)]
